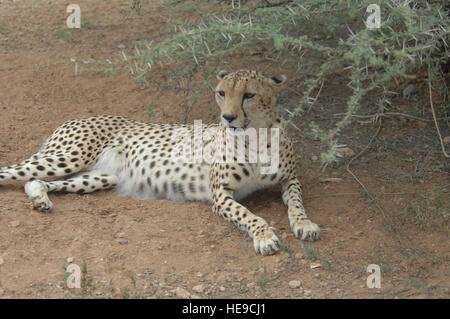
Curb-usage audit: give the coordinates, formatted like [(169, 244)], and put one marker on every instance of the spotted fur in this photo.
[(102, 152)]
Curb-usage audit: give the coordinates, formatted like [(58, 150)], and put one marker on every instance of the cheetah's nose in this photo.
[(229, 117)]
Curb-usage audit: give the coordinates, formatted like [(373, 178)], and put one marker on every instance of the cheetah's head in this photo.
[(247, 98)]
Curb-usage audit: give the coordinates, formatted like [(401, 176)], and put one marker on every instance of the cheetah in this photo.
[(104, 152)]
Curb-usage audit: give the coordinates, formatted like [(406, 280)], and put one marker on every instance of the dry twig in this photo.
[(317, 96), (434, 117)]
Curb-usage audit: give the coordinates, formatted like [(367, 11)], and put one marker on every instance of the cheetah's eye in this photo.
[(221, 93), (248, 96)]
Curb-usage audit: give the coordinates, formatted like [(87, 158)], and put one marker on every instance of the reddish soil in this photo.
[(128, 248)]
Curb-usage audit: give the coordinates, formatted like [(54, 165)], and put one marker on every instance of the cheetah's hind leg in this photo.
[(41, 166), (18, 172), (37, 167), (86, 182)]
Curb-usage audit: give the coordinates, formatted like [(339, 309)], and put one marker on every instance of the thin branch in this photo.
[(317, 96), (387, 114), (271, 5), (356, 178), (434, 117)]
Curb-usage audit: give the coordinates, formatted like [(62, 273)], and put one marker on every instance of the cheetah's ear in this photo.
[(278, 80), (221, 74)]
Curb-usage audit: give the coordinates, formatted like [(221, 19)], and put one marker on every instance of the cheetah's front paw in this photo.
[(305, 230), (266, 242), (37, 192)]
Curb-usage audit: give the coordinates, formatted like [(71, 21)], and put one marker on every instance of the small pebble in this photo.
[(299, 256), (294, 284), (182, 293), (346, 152), (199, 288), (15, 223), (315, 265)]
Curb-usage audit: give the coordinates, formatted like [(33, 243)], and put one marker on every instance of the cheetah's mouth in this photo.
[(234, 128)]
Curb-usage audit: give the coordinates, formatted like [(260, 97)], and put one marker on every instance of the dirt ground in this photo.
[(128, 248)]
